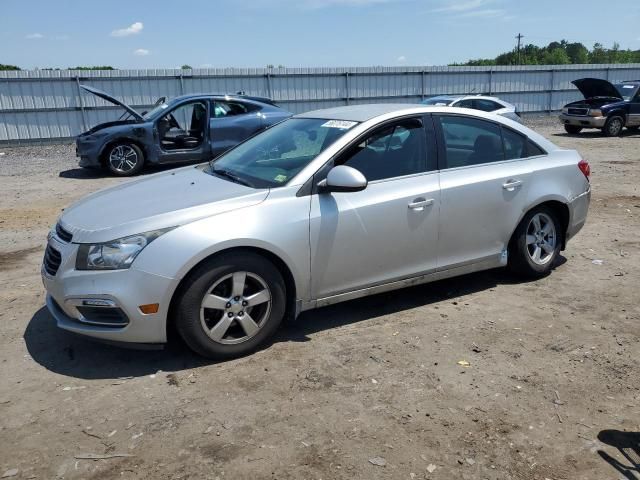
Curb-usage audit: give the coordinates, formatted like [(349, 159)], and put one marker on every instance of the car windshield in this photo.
[(438, 101), (275, 156), (155, 111), (627, 91)]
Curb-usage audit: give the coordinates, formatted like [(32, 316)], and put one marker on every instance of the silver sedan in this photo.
[(324, 207)]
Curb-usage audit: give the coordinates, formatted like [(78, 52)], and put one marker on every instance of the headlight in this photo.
[(565, 110), (117, 254), (595, 113)]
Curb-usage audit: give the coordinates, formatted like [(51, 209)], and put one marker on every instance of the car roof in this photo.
[(359, 113), (219, 96)]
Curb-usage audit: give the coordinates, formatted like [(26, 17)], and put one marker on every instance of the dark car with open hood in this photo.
[(609, 107), (189, 128)]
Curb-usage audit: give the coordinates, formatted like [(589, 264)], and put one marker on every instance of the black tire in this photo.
[(189, 321), (613, 127), (572, 129), (520, 256), (124, 159)]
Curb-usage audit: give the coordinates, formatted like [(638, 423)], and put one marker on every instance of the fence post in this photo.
[(550, 90), (181, 80), (81, 103), (268, 79), (346, 84), (490, 80), (422, 87)]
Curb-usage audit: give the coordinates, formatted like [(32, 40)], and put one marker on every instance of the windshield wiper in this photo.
[(231, 176)]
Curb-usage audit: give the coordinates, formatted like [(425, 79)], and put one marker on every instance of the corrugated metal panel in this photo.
[(45, 104)]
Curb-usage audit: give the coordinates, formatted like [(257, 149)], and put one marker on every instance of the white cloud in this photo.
[(141, 52), (457, 6), (34, 36), (132, 29), (402, 59), (473, 9)]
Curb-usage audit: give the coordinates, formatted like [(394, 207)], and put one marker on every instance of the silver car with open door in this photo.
[(324, 207)]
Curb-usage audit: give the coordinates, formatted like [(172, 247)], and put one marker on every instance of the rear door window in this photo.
[(470, 141), (515, 145)]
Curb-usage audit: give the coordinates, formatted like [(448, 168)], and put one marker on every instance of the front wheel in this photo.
[(231, 305), (572, 129), (536, 243), (124, 159), (613, 127)]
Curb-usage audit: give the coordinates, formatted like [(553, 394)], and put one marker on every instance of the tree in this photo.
[(8, 67), (557, 56), (578, 53), (95, 67), (561, 53), (186, 67)]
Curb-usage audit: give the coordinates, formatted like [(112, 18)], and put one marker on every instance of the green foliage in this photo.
[(97, 67), (8, 67), (186, 67), (560, 53)]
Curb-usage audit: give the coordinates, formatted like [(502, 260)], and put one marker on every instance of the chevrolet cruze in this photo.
[(324, 207)]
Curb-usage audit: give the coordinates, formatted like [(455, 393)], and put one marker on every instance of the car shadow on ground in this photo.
[(80, 173), (75, 356), (595, 134), (628, 445)]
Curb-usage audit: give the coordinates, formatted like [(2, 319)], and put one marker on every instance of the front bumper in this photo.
[(583, 121), (70, 290), (88, 152)]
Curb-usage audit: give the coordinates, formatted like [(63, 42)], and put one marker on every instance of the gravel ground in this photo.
[(367, 389)]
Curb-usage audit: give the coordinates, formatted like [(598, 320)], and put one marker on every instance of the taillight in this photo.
[(584, 167)]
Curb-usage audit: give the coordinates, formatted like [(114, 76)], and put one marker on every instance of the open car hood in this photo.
[(596, 87), (115, 101)]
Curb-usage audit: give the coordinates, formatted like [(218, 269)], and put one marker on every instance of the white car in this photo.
[(321, 208), (476, 102)]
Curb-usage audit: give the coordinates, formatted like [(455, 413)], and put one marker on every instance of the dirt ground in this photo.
[(368, 389)]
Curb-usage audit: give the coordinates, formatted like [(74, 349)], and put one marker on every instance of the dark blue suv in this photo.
[(609, 107), (188, 128)]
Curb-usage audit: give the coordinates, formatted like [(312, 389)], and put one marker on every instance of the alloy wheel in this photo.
[(123, 158), (541, 239), (615, 127), (235, 308)]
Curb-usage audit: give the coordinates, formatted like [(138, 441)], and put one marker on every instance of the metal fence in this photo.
[(48, 105)]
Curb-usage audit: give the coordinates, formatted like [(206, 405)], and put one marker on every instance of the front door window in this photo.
[(183, 127)]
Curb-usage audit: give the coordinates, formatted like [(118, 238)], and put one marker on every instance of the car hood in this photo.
[(158, 201), (596, 87), (111, 99)]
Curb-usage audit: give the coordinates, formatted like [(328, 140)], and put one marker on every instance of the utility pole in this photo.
[(519, 37)]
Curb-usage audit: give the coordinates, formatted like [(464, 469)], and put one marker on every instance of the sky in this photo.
[(297, 33)]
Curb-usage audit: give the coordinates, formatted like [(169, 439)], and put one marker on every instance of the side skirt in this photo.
[(484, 264)]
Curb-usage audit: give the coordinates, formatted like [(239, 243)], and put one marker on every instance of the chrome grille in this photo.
[(578, 111), (63, 234), (52, 260)]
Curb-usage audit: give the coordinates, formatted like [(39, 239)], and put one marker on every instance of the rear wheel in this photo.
[(572, 129), (536, 243), (231, 305), (613, 127), (124, 159)]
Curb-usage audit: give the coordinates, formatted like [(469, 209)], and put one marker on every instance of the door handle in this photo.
[(420, 203), (511, 185)]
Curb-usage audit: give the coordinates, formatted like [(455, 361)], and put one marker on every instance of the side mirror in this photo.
[(343, 179)]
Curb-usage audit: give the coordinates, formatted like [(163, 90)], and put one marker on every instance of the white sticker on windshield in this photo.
[(628, 86), (342, 124)]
